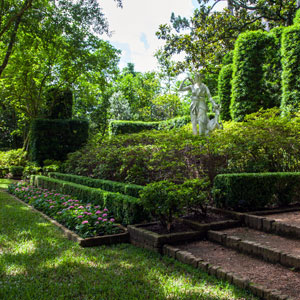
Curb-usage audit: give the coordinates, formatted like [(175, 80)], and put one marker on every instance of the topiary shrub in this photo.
[(290, 69), (59, 103), (224, 91), (54, 139), (252, 51)]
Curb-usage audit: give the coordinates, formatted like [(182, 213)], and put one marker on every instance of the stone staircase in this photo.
[(263, 255)]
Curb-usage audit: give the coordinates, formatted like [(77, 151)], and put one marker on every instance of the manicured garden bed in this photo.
[(37, 262), (92, 225)]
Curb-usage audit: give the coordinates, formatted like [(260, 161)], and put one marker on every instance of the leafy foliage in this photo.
[(126, 209), (54, 139), (252, 51), (224, 91), (263, 142), (290, 69)]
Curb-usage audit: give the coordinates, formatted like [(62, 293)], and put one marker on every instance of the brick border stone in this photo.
[(269, 254), (188, 258)]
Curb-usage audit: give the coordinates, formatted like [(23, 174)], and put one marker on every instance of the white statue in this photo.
[(198, 105)]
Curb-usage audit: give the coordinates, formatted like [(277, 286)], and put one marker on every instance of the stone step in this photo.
[(264, 279), (275, 223), (269, 247)]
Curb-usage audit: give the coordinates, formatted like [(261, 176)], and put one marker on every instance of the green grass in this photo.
[(37, 262), (5, 182)]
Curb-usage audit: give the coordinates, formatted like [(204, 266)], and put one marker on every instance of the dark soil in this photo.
[(210, 217), (175, 228)]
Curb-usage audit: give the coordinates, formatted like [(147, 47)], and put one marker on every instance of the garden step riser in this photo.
[(188, 258), (268, 254), (272, 226)]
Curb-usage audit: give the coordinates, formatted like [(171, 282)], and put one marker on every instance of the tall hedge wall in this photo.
[(54, 139), (224, 91), (290, 52), (249, 91)]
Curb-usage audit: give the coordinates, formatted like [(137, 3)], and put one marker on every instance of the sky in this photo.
[(134, 27)]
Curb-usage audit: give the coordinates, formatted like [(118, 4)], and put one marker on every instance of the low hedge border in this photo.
[(107, 185), (126, 209), (254, 191)]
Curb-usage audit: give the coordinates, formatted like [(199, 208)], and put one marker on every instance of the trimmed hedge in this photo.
[(107, 185), (125, 127), (253, 51), (224, 91), (59, 103), (126, 209), (253, 191), (54, 139), (290, 69)]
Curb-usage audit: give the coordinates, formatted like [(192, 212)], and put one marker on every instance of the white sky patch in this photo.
[(135, 25)]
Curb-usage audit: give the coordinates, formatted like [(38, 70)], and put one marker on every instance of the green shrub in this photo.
[(253, 51), (4, 170), (126, 127), (16, 157), (162, 199), (297, 17), (290, 69), (16, 171), (224, 91), (165, 200), (174, 123), (31, 169), (196, 195), (54, 139), (59, 103), (107, 185), (253, 191), (126, 209), (264, 142)]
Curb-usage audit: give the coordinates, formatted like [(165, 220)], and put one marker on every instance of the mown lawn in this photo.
[(37, 262)]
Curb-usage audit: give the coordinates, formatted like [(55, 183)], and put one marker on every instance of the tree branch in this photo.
[(26, 6)]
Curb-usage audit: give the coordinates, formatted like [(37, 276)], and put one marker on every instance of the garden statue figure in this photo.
[(198, 107)]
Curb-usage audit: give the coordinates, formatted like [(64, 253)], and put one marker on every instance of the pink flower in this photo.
[(80, 207), (84, 222), (76, 200), (96, 222), (80, 216), (104, 215), (98, 212), (70, 207), (76, 204), (99, 219), (105, 209), (70, 200), (112, 220), (89, 213), (51, 206), (104, 220), (96, 206)]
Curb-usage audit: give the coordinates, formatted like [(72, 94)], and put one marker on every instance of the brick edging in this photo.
[(269, 254), (188, 258), (87, 242)]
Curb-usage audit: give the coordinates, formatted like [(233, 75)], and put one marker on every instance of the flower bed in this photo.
[(86, 220)]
